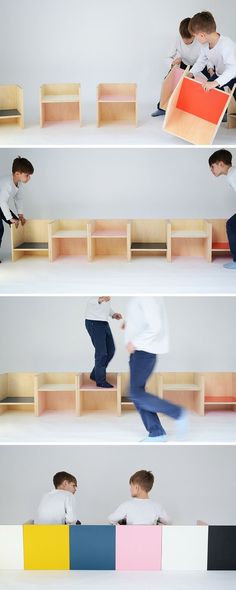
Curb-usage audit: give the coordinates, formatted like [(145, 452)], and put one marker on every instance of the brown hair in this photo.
[(145, 479), (22, 165), (221, 156), (184, 28), (63, 476), (202, 22)]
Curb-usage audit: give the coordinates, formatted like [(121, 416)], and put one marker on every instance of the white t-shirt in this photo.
[(9, 190), (98, 311), (231, 177), (146, 325), (223, 58), (139, 511), (56, 507), (188, 53)]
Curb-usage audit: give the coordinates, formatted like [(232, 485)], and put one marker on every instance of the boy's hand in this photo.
[(130, 347), (15, 221), (22, 219), (211, 72), (123, 326), (176, 62), (103, 299), (117, 316), (190, 75), (210, 85)]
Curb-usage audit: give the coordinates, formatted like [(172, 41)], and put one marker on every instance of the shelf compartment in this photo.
[(68, 237), (55, 391), (148, 247), (191, 237), (59, 102), (220, 391), (186, 389), (116, 103), (108, 237), (11, 400), (149, 237), (220, 244), (30, 239), (11, 105), (16, 392), (92, 398)]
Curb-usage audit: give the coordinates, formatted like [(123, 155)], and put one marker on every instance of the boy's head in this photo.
[(65, 481), (22, 169), (202, 25), (185, 32), (141, 482), (220, 162)]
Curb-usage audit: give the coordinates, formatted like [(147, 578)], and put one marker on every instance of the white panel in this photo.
[(11, 547), (184, 548)]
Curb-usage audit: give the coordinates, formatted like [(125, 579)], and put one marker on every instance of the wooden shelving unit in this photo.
[(149, 237), (92, 398), (11, 105), (108, 237), (190, 237), (116, 103), (30, 239), (16, 392), (220, 391), (68, 238), (220, 244), (185, 389), (59, 102), (55, 391)]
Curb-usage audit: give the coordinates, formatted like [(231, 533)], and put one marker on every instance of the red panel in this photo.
[(220, 246), (196, 101), (222, 399)]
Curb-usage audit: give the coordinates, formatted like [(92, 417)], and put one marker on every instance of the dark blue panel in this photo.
[(92, 547), (222, 548)]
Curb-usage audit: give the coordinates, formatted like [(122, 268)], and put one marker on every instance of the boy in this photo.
[(221, 164), (58, 506), (220, 50), (140, 509), (11, 186), (97, 313), (185, 52), (146, 336)]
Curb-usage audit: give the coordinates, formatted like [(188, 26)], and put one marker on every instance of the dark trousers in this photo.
[(3, 218), (231, 233), (141, 366), (183, 66), (230, 84), (102, 339)]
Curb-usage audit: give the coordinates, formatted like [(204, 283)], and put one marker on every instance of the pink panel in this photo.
[(138, 547), (177, 74)]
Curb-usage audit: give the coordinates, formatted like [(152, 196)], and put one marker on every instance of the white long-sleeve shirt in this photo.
[(231, 177), (146, 325), (98, 311), (139, 511), (56, 507), (187, 53), (9, 190), (223, 58)]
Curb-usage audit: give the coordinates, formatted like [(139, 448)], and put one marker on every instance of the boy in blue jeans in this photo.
[(221, 164), (97, 313)]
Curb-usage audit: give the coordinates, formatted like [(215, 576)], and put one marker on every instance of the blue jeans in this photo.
[(231, 233), (102, 339), (141, 366)]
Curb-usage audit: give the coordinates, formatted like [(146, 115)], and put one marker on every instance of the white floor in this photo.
[(100, 427), (148, 132), (74, 275), (72, 580)]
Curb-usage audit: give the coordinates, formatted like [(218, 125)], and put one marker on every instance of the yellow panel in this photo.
[(46, 547)]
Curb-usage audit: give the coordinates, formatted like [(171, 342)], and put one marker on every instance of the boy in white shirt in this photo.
[(98, 311), (220, 50), (11, 187), (58, 506), (140, 509), (146, 336), (221, 164), (185, 52)]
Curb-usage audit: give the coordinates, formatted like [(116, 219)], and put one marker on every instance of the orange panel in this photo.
[(221, 399), (220, 246), (196, 101)]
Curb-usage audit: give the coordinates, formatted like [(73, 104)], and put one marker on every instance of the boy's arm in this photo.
[(18, 200), (229, 58), (119, 514), (163, 517), (174, 54), (200, 63), (70, 516)]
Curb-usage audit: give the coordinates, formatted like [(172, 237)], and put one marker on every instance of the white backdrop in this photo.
[(48, 333), (192, 482), (126, 183), (90, 42)]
